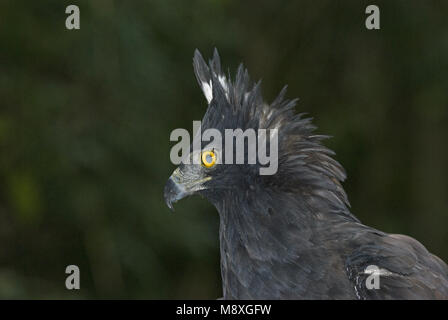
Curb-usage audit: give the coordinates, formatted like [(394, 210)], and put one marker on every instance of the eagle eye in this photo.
[(208, 159)]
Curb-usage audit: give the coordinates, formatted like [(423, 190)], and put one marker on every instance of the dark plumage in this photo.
[(291, 235)]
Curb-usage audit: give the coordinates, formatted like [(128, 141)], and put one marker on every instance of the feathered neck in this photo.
[(263, 233)]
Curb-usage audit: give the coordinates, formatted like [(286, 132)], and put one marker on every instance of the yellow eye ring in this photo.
[(208, 159)]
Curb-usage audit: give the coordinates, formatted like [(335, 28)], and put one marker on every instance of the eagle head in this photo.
[(302, 163)]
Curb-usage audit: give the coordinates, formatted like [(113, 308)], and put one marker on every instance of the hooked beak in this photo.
[(178, 187), (173, 192)]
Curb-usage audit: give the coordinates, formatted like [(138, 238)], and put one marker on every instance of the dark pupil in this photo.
[(208, 158)]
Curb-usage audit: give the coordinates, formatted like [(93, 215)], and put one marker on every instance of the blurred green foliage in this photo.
[(85, 118)]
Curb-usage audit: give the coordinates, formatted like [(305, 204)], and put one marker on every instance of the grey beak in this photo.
[(173, 192)]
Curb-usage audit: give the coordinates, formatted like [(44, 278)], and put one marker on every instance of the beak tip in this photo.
[(170, 205), (168, 201), (172, 193)]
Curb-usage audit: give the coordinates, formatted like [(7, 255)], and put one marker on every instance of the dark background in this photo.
[(85, 118)]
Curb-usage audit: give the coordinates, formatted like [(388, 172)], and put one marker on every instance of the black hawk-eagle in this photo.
[(291, 235)]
